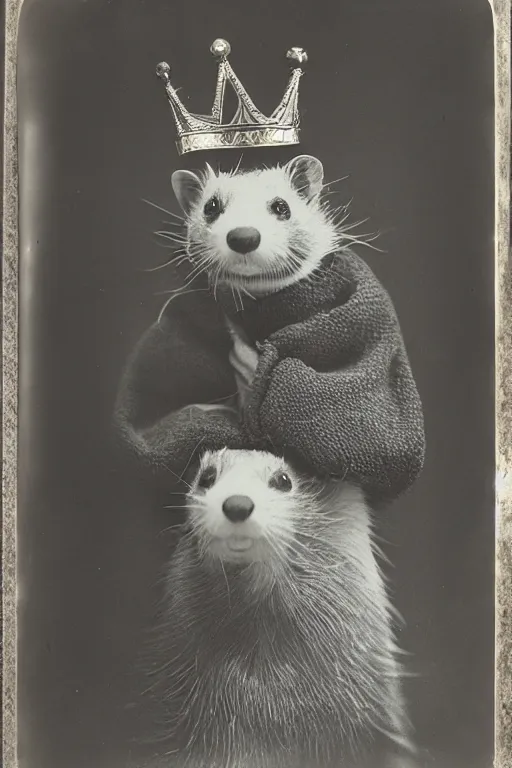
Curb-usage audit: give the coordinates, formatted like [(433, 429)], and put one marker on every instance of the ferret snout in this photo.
[(243, 239), (238, 508)]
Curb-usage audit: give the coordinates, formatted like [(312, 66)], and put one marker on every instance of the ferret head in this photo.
[(241, 502), (259, 230), (253, 507)]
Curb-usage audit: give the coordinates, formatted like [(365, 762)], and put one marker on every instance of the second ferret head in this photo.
[(250, 507)]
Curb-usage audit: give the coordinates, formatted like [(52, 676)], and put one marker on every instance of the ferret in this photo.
[(257, 232), (277, 635)]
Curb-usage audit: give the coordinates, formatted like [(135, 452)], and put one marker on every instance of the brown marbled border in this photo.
[(503, 752)]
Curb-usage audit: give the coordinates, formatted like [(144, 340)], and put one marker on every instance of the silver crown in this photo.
[(249, 127)]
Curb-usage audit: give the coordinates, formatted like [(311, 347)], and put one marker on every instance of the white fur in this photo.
[(246, 198), (280, 652), (282, 522), (241, 473)]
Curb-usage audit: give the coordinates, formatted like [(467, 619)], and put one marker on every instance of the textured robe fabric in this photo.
[(333, 388)]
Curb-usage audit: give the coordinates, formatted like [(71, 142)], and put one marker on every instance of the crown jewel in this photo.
[(249, 127)]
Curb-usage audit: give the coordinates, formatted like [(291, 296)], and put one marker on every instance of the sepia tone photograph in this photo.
[(256, 426)]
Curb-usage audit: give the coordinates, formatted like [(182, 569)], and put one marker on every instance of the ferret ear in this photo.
[(306, 174), (187, 187)]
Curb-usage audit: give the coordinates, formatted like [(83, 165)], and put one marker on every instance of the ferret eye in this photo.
[(280, 208), (281, 482), (212, 209), (207, 478)]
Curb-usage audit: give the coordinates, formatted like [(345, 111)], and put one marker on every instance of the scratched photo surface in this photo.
[(397, 102)]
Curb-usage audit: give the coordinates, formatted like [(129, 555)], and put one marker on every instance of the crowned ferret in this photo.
[(255, 233), (276, 646)]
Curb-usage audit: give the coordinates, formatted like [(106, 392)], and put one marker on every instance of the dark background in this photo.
[(399, 95)]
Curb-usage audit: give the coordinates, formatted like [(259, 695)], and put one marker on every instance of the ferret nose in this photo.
[(238, 508), (243, 239)]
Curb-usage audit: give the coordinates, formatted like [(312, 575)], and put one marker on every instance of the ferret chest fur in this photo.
[(281, 665)]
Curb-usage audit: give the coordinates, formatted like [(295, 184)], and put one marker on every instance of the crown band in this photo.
[(249, 127), (238, 138)]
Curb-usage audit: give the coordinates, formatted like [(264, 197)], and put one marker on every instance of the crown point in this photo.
[(163, 70), (297, 57), (220, 48)]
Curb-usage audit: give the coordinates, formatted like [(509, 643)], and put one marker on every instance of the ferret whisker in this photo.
[(175, 292), (330, 193), (175, 527), (240, 297), (336, 181), (175, 295), (178, 478), (175, 237), (333, 213), (246, 291), (364, 237), (363, 243), (221, 399), (171, 223), (330, 212), (191, 277), (216, 282), (196, 272), (187, 465), (227, 583), (159, 207), (345, 230), (237, 167), (178, 259), (369, 237), (234, 299), (171, 248), (174, 241), (357, 224)]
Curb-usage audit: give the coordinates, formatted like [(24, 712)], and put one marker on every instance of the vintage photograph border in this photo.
[(503, 323)]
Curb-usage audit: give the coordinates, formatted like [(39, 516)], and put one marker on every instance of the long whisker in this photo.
[(199, 269), (175, 295), (234, 298), (330, 183), (215, 282), (177, 259), (180, 479), (174, 237), (240, 297), (171, 223), (164, 210), (192, 455), (237, 167)]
